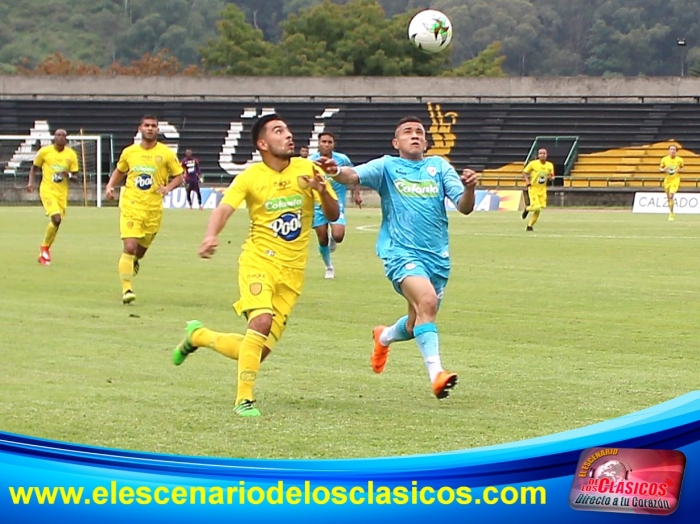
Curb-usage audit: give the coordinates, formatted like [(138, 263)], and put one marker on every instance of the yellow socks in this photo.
[(126, 271), (534, 218), (249, 364), (670, 205), (50, 235), (228, 344)]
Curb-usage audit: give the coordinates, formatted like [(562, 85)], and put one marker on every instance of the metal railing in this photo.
[(591, 182)]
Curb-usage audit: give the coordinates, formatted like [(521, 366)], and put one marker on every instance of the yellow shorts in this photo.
[(538, 196), (267, 286), (139, 224), (672, 183), (54, 203)]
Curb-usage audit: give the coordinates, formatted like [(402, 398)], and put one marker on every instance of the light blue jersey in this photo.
[(413, 238), (340, 190)]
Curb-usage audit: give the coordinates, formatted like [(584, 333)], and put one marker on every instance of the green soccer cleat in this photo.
[(247, 409), (128, 297), (184, 348)]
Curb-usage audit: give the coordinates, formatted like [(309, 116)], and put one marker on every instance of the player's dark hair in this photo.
[(407, 119), (148, 117), (326, 133), (259, 125)]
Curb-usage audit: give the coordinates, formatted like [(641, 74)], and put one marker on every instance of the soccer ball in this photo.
[(430, 31)]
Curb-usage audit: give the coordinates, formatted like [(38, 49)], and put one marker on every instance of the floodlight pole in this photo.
[(681, 43)]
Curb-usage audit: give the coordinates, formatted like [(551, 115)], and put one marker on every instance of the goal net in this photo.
[(17, 152)]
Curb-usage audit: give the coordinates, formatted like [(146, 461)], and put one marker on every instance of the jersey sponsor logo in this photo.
[(57, 177), (425, 188), (287, 226), (143, 181), (144, 169), (284, 203)]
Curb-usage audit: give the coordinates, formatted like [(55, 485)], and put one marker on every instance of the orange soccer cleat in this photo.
[(443, 383), (380, 353), (44, 256)]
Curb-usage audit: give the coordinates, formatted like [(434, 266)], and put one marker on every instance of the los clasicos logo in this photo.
[(623, 480)]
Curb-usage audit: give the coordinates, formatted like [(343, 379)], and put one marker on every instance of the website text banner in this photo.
[(528, 481), (684, 203)]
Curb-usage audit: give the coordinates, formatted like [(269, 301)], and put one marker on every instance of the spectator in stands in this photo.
[(536, 174), (672, 165), (193, 176), (304, 151)]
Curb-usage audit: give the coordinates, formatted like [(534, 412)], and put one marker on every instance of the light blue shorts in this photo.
[(320, 219), (403, 265)]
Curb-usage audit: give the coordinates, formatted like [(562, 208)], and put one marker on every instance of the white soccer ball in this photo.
[(430, 31)]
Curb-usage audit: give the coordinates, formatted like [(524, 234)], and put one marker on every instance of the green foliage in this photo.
[(537, 37), (239, 49), (354, 39), (487, 63)]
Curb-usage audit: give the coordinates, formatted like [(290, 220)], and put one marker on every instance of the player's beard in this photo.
[(282, 152)]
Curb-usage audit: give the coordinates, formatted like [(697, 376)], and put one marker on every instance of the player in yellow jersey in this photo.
[(536, 174), (279, 193), (152, 170), (58, 163), (672, 165)]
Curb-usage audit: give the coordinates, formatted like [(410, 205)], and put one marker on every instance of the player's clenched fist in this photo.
[(469, 178), (208, 247)]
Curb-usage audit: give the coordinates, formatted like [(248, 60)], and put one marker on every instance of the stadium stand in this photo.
[(619, 145)]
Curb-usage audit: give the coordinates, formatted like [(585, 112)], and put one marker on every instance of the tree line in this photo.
[(349, 37)]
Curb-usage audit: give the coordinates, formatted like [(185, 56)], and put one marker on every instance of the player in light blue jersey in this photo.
[(328, 237), (413, 242)]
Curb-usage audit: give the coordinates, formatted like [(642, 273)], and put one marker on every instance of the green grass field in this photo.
[(592, 317)]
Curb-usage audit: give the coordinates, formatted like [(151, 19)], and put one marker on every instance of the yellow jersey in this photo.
[(671, 165), (281, 210), (146, 170), (539, 172), (53, 164)]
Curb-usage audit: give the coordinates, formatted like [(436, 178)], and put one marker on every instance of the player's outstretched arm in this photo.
[(217, 222), (466, 203), (345, 175), (117, 177)]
